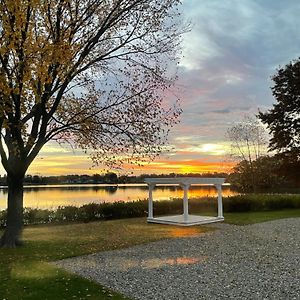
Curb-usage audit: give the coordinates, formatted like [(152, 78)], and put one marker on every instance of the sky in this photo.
[(229, 56)]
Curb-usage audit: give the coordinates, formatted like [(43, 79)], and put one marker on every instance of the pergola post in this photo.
[(185, 188), (220, 205), (150, 200)]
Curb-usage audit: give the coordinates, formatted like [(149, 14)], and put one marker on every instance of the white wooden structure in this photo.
[(185, 182)]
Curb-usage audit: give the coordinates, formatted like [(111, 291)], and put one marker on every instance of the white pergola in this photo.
[(185, 182)]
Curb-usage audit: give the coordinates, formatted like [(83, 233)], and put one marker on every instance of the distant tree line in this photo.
[(266, 173), (107, 178)]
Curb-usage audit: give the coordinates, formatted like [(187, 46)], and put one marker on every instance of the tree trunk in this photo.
[(12, 234)]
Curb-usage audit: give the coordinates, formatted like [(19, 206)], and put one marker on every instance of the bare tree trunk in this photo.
[(253, 178), (12, 234)]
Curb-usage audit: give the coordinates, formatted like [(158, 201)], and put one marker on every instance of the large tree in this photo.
[(89, 72), (283, 120)]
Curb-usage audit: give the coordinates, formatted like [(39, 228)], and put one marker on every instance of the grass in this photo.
[(26, 274), (245, 218)]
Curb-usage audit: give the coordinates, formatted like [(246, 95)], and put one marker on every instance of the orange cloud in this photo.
[(55, 160), (185, 166)]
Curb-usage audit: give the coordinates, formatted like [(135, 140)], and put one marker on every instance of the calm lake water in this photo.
[(52, 196)]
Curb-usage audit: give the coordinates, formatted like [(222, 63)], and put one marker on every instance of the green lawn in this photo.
[(25, 274), (246, 218)]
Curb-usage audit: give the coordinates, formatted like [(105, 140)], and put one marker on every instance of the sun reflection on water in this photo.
[(52, 196), (162, 262), (184, 232), (154, 263)]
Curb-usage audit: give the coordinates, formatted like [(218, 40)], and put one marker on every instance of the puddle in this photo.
[(185, 232), (157, 263), (154, 263)]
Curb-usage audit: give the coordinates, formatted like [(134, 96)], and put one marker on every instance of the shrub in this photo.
[(260, 202), (37, 216), (66, 213), (121, 209), (90, 212)]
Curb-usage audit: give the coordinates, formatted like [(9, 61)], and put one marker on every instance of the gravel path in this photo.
[(260, 261)]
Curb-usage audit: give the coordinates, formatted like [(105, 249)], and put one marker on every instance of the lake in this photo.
[(52, 196)]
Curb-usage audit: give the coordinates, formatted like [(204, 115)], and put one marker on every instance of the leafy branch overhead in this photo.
[(92, 73)]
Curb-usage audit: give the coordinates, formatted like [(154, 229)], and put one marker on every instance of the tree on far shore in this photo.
[(91, 73)]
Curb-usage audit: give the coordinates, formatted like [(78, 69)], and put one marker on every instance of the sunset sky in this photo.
[(229, 56)]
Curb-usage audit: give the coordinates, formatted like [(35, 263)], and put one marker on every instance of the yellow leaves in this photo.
[(115, 46), (4, 87), (14, 21), (31, 51), (5, 124)]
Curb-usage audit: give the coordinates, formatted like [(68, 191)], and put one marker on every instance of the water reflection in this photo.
[(52, 196), (176, 231), (162, 262), (124, 264), (111, 189)]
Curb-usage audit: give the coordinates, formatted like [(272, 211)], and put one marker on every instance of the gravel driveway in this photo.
[(260, 261)]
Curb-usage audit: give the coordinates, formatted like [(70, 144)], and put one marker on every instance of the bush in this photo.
[(90, 212), (164, 207), (37, 216), (118, 210), (66, 213), (260, 202)]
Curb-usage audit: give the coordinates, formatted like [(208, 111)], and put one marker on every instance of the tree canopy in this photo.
[(283, 119), (88, 72)]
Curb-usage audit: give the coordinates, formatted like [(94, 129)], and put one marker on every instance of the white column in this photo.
[(220, 205), (150, 200), (185, 188)]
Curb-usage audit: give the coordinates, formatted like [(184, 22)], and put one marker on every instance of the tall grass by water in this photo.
[(119, 210)]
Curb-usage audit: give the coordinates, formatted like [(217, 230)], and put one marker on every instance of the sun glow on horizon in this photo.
[(55, 160)]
